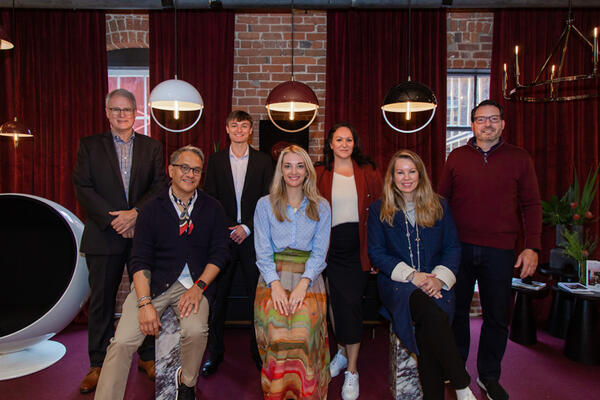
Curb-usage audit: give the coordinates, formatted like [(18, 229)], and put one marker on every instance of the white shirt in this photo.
[(239, 167), (344, 200)]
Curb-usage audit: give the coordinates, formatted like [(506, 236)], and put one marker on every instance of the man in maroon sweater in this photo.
[(493, 191)]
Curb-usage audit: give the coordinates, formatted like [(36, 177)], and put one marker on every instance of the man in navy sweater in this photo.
[(492, 189), (179, 247)]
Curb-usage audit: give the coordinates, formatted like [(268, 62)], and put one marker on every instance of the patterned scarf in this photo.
[(185, 220)]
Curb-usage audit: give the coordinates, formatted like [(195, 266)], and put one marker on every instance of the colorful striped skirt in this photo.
[(294, 349)]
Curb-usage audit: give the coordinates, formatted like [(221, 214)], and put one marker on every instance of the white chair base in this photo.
[(31, 359)]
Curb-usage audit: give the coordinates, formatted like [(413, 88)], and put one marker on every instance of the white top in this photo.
[(344, 200)]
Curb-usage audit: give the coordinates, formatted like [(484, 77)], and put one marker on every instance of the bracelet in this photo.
[(144, 305), (411, 276), (142, 299)]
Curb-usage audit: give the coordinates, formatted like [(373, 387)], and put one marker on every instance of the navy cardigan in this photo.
[(158, 247), (388, 246)]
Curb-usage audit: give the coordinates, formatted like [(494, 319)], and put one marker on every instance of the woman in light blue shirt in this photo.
[(291, 237)]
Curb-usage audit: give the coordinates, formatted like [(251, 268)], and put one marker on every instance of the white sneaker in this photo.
[(350, 388), (465, 394), (338, 364)]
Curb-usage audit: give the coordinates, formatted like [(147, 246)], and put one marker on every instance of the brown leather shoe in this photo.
[(148, 367), (90, 381)]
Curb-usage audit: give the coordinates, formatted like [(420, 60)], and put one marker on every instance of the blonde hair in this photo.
[(278, 192), (428, 208)]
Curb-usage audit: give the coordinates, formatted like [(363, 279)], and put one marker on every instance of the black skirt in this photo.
[(347, 282)]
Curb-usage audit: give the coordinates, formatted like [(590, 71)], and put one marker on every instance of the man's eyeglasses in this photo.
[(186, 168), (494, 119), (118, 111)]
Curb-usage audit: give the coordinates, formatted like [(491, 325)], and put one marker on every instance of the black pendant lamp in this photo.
[(409, 97)]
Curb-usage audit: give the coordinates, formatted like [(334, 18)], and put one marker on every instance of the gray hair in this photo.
[(123, 93), (175, 155)]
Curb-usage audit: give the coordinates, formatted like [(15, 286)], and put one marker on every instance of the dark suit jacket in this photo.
[(99, 187), (219, 184), (159, 248)]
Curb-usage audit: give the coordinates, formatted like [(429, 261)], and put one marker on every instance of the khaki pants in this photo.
[(128, 337)]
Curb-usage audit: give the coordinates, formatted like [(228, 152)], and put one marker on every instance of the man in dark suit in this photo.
[(116, 172), (237, 177)]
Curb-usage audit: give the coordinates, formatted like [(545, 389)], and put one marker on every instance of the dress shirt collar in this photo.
[(231, 155), (118, 139)]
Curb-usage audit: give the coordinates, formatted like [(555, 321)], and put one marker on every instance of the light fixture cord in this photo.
[(292, 16), (176, 63), (409, 39)]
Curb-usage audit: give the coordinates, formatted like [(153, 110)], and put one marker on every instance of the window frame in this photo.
[(135, 72), (456, 133)]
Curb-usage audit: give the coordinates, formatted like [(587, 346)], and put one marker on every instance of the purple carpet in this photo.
[(536, 372)]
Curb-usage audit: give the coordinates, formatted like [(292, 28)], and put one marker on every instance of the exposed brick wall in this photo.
[(263, 58), (126, 31), (469, 39)]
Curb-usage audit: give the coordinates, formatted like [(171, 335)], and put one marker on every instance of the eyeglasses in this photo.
[(186, 168), (117, 110), (494, 119)]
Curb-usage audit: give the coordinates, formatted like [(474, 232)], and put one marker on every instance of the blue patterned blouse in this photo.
[(300, 233)]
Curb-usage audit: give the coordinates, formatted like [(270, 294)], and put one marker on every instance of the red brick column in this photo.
[(469, 39), (263, 59)]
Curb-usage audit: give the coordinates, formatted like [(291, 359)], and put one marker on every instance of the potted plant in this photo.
[(573, 208), (579, 250)]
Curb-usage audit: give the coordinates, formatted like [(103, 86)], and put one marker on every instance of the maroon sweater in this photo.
[(492, 194)]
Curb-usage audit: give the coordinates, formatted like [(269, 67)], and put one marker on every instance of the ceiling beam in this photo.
[(300, 4)]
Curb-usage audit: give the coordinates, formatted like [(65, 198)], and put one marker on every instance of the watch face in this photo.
[(201, 285)]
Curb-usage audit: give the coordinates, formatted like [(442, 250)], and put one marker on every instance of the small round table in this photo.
[(523, 329), (562, 304), (582, 343)]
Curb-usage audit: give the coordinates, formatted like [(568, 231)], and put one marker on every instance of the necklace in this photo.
[(418, 240)]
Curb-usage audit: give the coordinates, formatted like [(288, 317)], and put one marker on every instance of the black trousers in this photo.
[(105, 274), (493, 270), (244, 254), (347, 283), (438, 357)]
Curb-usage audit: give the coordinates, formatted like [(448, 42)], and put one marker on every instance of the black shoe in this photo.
[(493, 389), (211, 365), (183, 392)]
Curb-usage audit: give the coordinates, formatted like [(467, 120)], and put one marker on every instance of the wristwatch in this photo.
[(201, 284)]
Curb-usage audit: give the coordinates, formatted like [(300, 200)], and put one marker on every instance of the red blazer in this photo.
[(368, 189)]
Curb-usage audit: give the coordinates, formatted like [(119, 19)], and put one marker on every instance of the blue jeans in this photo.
[(492, 268)]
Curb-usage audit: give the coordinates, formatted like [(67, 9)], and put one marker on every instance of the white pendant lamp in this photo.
[(175, 96)]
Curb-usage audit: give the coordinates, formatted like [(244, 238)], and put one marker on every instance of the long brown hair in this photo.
[(428, 208), (278, 192)]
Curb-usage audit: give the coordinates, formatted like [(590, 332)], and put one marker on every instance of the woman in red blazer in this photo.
[(348, 180)]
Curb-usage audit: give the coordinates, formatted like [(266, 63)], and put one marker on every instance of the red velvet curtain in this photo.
[(205, 59), (560, 136), (366, 56), (61, 82)]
